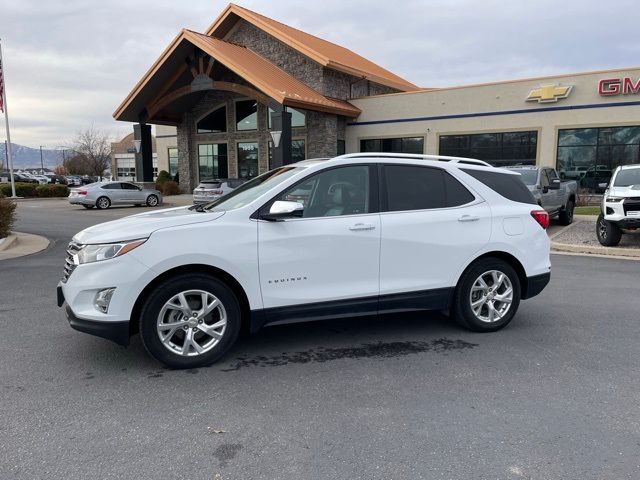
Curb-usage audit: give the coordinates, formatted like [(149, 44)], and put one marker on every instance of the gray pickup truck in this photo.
[(556, 197)]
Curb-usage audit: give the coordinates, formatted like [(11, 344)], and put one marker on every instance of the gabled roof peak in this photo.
[(321, 51)]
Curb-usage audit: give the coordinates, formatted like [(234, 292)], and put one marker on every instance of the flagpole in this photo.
[(6, 122)]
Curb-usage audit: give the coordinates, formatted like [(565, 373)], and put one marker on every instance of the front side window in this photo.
[(214, 122), (419, 188), (246, 115), (334, 192)]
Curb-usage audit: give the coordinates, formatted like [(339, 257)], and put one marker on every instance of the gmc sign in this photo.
[(615, 86)]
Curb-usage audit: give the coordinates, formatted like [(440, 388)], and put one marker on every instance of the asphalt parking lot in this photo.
[(553, 396)]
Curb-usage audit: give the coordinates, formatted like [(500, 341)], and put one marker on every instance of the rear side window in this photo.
[(420, 188), (509, 186)]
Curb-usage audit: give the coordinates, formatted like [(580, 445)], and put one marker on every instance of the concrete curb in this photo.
[(23, 244), (32, 199), (8, 241)]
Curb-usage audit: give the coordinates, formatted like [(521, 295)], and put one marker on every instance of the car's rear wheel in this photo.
[(103, 202), (566, 215), (487, 295), (190, 321), (609, 234), (87, 206), (152, 201)]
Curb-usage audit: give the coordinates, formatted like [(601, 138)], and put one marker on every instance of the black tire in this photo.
[(609, 234), (162, 294), (565, 216), (103, 203), (153, 201), (88, 207), (461, 307)]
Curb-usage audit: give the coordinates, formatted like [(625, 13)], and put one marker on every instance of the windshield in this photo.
[(248, 192), (529, 176), (626, 178)]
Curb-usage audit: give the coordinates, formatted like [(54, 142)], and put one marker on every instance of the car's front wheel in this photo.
[(609, 234), (487, 295), (152, 201), (190, 321)]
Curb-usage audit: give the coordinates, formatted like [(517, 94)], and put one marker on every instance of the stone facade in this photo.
[(322, 131)]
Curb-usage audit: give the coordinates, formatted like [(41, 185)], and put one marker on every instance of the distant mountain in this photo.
[(27, 157)]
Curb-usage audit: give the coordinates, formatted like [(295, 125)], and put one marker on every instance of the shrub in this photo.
[(163, 176), (22, 189), (52, 190), (7, 215), (170, 188)]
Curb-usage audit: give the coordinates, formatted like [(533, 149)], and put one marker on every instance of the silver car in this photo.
[(209, 190), (105, 194)]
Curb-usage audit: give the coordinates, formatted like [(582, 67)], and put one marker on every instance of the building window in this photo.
[(393, 145), (298, 151), (246, 115), (297, 117), (172, 153), (212, 160), (124, 173), (247, 159), (498, 149), (214, 122), (589, 155)]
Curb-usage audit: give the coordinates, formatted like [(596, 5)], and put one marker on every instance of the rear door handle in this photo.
[(468, 218), (361, 226)]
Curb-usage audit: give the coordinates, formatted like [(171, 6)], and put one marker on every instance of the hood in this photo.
[(630, 191), (142, 225)]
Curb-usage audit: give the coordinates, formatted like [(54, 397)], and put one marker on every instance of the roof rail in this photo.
[(438, 158)]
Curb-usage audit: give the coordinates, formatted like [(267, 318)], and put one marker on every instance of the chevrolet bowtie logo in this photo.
[(549, 93)]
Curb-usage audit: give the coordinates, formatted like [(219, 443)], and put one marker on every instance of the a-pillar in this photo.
[(144, 154)]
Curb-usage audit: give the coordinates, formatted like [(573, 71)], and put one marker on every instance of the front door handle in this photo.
[(361, 226), (468, 218)]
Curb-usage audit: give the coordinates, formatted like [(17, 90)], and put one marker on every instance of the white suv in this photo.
[(620, 205), (355, 235)]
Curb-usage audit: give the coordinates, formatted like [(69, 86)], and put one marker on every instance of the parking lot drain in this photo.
[(366, 350)]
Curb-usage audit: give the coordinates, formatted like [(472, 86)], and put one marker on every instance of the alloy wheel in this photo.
[(491, 296), (191, 323), (152, 201), (602, 228)]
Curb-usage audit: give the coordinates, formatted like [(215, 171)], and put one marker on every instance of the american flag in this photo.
[(1, 88)]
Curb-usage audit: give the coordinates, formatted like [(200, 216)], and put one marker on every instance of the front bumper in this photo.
[(117, 332)]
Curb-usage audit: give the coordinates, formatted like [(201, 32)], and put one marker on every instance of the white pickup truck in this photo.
[(620, 205), (558, 198)]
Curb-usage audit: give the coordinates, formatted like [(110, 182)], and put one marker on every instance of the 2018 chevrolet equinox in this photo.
[(354, 235)]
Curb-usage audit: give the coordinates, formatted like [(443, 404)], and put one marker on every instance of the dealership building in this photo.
[(252, 93)]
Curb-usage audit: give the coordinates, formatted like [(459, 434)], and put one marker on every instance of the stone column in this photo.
[(187, 157)]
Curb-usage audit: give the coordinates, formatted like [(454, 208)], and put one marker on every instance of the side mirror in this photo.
[(555, 184), (603, 185), (545, 189), (283, 209)]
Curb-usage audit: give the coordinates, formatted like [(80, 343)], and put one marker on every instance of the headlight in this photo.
[(614, 199), (97, 253)]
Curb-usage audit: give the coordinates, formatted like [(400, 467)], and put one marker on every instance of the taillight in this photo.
[(82, 192), (542, 217), (217, 192)]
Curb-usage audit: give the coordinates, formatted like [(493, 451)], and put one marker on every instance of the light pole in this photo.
[(41, 162)]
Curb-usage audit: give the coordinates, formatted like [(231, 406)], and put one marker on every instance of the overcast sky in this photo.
[(69, 63)]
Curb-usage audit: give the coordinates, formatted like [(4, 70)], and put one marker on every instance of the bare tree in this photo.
[(93, 146)]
